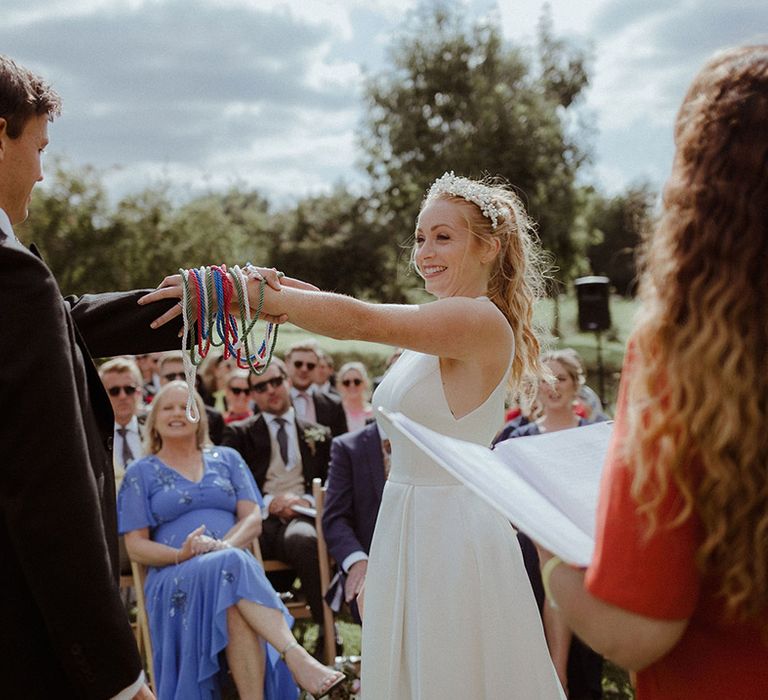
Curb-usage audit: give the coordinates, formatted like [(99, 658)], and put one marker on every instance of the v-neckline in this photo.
[(180, 475)]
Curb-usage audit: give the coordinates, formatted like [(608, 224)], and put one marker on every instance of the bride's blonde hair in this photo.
[(698, 397), (517, 277)]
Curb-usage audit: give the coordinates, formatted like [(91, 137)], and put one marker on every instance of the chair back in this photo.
[(142, 622), (318, 492)]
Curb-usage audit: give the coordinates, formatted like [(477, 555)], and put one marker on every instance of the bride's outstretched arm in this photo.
[(461, 328)]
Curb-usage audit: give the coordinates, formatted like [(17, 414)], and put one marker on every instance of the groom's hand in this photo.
[(172, 287)]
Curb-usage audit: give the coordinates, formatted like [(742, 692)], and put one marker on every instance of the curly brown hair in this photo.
[(699, 394)]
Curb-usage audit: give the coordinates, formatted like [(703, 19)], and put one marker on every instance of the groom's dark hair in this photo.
[(24, 95)]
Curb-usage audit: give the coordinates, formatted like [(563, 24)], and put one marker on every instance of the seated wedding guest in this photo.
[(285, 454), (170, 367), (189, 512), (356, 475), (238, 395), (556, 402), (122, 381), (588, 404), (325, 379), (301, 360), (677, 588), (579, 668), (355, 390), (214, 371), (150, 381)]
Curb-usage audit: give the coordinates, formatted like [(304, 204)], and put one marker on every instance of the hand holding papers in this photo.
[(547, 485)]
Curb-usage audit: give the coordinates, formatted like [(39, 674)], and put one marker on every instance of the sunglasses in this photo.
[(261, 387), (349, 382), (173, 375), (298, 364), (115, 390), (236, 390)]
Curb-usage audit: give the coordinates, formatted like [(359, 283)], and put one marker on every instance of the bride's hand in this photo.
[(172, 288)]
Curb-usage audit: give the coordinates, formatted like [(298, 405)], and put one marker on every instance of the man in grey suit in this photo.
[(64, 632)]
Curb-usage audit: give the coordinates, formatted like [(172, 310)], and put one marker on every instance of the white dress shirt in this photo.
[(5, 225)]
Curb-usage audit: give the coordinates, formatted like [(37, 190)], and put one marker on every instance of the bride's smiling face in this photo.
[(449, 258)]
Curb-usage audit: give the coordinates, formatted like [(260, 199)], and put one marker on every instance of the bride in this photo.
[(449, 612)]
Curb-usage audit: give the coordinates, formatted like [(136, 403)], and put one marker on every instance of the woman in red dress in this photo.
[(678, 585)]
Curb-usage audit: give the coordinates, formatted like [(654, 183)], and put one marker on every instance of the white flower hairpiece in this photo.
[(473, 192)]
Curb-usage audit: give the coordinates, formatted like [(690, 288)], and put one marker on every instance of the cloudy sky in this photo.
[(267, 93)]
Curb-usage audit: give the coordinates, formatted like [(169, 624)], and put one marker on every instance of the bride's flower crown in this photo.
[(473, 192)]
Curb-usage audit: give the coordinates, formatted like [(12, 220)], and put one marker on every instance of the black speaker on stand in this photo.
[(592, 296)]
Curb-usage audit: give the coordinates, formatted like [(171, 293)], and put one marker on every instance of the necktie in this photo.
[(127, 454), (282, 439)]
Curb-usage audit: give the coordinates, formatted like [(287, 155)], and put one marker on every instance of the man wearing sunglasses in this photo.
[(311, 404), (285, 453), (122, 382)]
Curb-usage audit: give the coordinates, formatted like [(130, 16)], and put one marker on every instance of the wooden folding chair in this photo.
[(126, 587), (298, 607), (144, 640), (318, 492)]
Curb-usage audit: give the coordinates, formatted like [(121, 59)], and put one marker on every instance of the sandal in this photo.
[(328, 684)]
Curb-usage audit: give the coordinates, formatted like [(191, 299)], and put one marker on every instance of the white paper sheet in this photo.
[(546, 485)]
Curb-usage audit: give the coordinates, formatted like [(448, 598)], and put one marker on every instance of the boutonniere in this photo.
[(314, 434)]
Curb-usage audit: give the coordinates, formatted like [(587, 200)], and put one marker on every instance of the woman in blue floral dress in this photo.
[(188, 511)]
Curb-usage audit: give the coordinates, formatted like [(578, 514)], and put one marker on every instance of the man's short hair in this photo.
[(121, 365), (170, 356), (24, 95), (302, 346)]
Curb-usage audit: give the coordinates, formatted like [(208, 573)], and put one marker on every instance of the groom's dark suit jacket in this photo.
[(63, 629), (250, 437)]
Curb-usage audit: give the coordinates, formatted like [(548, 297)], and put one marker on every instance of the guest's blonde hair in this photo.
[(153, 443), (698, 396)]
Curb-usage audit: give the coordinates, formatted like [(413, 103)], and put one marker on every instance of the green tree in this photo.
[(458, 97), (621, 223), (336, 242), (65, 221)]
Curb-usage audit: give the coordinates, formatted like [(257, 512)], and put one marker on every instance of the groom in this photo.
[(63, 631)]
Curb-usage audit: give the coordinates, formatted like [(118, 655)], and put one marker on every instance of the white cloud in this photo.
[(268, 92)]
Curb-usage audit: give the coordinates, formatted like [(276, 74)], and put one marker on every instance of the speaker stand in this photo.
[(600, 369)]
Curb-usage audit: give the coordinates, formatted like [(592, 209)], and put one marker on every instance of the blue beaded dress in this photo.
[(187, 604)]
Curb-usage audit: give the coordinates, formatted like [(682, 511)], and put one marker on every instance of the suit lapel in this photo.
[(262, 448)]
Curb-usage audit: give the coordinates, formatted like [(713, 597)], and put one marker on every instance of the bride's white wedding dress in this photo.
[(449, 612)]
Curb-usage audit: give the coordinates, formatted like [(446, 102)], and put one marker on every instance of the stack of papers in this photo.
[(547, 485)]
